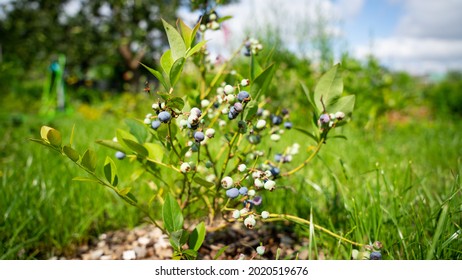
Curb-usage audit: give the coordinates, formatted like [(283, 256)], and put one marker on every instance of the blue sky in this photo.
[(419, 36)]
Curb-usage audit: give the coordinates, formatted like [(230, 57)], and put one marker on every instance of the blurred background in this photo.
[(77, 62)]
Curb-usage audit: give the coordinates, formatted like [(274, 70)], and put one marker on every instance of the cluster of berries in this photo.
[(327, 121), (209, 21), (370, 252), (252, 46)]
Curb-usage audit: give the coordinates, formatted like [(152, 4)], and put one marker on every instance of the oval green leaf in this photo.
[(89, 160), (71, 153)]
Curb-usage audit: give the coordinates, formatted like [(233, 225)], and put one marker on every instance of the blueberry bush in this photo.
[(207, 147)]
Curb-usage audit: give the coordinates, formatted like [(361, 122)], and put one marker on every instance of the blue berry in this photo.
[(199, 136), (238, 107), (376, 256), (164, 116), (277, 120), (120, 155), (243, 191), (257, 200), (155, 124), (275, 171), (232, 193), (243, 96), (288, 125), (278, 158)]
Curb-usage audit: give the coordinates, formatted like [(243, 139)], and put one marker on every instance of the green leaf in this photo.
[(85, 179), (171, 214), (190, 254), (40, 141), (121, 135), (343, 104), (307, 133), (89, 160), (203, 182), (309, 97), (255, 68), (262, 82), (186, 33), (71, 140), (176, 103), (124, 191), (159, 76), (175, 41), (329, 87), (195, 49), (132, 197), (155, 151), (71, 153), (251, 110), (220, 252), (137, 129), (113, 145), (51, 135), (222, 19), (110, 170), (177, 68), (175, 239), (197, 237), (136, 147), (166, 61)]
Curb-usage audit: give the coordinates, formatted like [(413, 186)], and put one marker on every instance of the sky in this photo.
[(418, 36)]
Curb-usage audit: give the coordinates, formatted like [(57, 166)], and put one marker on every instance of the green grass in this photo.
[(396, 184)]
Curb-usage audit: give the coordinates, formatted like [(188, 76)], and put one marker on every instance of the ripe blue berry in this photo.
[(277, 120), (155, 124), (199, 136), (243, 191), (376, 256), (164, 116), (243, 96), (238, 107), (275, 171), (288, 125), (120, 155), (232, 193), (278, 158)]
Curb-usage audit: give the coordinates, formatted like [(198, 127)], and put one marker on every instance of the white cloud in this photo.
[(428, 38)]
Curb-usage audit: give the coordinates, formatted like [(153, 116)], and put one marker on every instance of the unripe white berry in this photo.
[(205, 103), (265, 214), (270, 185), (260, 124), (275, 137), (251, 193), (242, 167), (147, 121), (227, 182), (245, 82), (210, 132), (258, 183), (228, 89), (185, 167), (220, 90), (340, 115), (155, 106), (236, 214), (250, 222)]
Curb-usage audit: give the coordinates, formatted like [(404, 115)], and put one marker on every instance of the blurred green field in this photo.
[(398, 183)]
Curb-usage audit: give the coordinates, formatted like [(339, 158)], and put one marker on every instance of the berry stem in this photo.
[(169, 136), (313, 154), (298, 220)]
